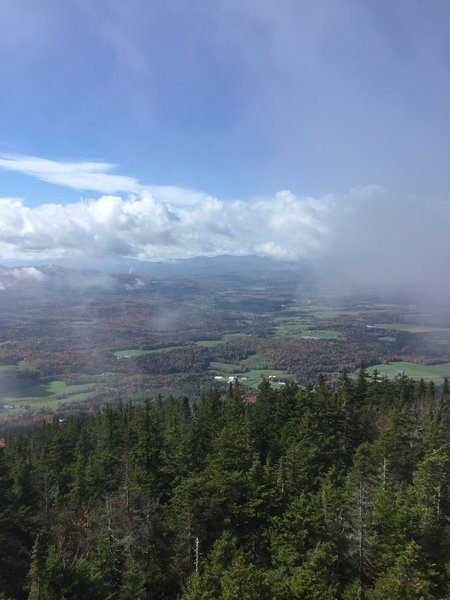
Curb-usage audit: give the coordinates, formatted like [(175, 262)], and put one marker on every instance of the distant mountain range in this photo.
[(219, 268)]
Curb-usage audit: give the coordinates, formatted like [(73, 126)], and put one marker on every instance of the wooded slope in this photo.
[(313, 493)]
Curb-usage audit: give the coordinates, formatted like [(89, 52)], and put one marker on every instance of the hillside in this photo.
[(297, 493)]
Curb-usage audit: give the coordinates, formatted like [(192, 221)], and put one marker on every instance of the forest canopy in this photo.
[(318, 493)]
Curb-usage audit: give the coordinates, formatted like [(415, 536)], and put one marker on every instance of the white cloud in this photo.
[(78, 175), (94, 176), (28, 273), (151, 222), (366, 238), (145, 227)]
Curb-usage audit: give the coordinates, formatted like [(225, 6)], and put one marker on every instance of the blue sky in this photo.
[(219, 101)]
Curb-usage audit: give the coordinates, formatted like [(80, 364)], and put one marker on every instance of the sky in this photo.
[(285, 128)]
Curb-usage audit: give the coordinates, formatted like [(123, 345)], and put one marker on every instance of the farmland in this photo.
[(434, 373), (133, 352), (49, 394), (175, 335)]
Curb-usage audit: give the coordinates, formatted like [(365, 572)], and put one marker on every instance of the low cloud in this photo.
[(148, 228), (383, 242), (366, 239), (30, 273)]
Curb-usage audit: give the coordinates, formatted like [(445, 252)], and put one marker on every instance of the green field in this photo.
[(48, 392), (323, 312), (249, 376), (21, 366), (387, 338), (227, 368), (235, 334), (298, 328), (134, 352), (55, 402), (254, 361), (292, 328), (321, 334), (253, 378), (297, 319), (411, 327), (429, 372), (208, 343)]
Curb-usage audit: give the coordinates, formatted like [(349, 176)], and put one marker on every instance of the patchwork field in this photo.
[(299, 328), (249, 371), (134, 352), (223, 368), (412, 328), (254, 377), (200, 334), (255, 361), (434, 373), (208, 343), (324, 312), (49, 394)]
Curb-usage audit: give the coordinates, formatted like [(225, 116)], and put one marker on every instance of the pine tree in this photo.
[(361, 484), (146, 452), (176, 450), (262, 419), (242, 581), (316, 578), (36, 572), (133, 582), (408, 579)]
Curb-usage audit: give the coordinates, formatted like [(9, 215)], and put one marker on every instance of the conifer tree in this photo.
[(408, 579)]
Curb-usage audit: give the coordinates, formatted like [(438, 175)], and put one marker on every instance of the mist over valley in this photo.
[(73, 339)]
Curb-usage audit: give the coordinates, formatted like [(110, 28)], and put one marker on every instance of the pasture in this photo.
[(298, 328), (208, 343), (412, 328), (54, 391), (254, 361), (254, 377), (223, 368), (134, 352), (434, 373)]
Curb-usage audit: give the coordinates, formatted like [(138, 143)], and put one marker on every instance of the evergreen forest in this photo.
[(323, 492)]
